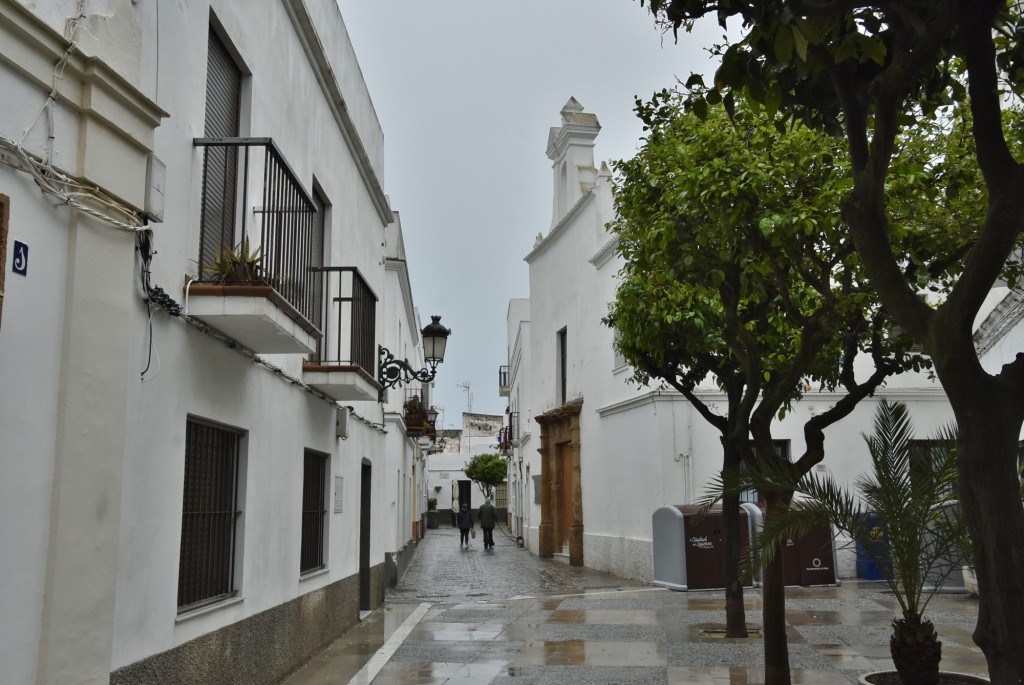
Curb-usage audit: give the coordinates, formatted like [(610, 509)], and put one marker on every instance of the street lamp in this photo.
[(392, 372), (432, 417)]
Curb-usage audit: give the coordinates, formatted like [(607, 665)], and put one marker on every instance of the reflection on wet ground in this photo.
[(504, 617)]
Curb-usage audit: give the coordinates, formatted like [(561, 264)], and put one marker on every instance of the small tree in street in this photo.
[(487, 471), (736, 267), (723, 227)]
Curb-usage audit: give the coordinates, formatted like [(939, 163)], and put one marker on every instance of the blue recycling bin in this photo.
[(866, 566)]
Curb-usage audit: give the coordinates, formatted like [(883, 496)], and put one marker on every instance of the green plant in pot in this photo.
[(415, 415), (431, 504), (906, 489), (236, 264), (414, 405)]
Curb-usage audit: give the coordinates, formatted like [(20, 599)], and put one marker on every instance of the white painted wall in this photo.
[(94, 452)]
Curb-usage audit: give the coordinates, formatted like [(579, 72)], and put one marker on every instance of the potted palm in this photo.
[(238, 264), (910, 498)]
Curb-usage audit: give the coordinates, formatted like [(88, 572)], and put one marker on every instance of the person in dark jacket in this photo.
[(465, 521), (488, 519)]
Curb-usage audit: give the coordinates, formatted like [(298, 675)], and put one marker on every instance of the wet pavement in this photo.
[(505, 617)]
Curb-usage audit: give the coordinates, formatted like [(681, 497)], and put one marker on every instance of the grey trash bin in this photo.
[(689, 555)]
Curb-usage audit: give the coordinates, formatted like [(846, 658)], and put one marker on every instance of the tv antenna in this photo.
[(469, 397)]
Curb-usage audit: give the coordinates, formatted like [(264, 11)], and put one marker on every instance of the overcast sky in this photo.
[(466, 91)]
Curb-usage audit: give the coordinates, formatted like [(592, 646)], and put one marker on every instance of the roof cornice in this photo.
[(605, 252), (1007, 314), (401, 269), (560, 226), (301, 20)]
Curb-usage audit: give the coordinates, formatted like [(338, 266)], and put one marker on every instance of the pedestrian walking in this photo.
[(488, 519), (465, 521)]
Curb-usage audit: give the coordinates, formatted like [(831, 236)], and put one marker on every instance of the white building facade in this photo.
[(446, 478), (601, 454), (201, 484)]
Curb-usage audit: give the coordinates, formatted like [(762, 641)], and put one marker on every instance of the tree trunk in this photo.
[(776, 647), (990, 494), (989, 412), (735, 614)]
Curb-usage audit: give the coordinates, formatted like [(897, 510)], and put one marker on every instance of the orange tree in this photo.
[(736, 267), (870, 70)]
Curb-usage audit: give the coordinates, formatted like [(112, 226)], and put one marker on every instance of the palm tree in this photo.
[(909, 490)]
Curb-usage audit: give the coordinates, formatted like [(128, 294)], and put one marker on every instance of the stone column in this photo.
[(546, 532), (85, 517), (574, 490)]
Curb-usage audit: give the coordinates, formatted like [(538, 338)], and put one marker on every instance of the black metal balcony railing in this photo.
[(281, 245), (349, 317)]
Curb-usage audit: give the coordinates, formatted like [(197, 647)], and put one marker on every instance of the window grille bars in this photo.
[(209, 513)]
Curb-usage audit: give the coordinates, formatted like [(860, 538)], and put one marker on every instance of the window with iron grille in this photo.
[(501, 495), (209, 515), (314, 511)]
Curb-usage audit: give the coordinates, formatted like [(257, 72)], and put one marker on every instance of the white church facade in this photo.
[(592, 455)]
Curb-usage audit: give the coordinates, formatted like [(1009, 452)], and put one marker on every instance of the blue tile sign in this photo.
[(20, 265)]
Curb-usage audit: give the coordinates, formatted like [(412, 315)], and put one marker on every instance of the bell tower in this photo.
[(571, 151)]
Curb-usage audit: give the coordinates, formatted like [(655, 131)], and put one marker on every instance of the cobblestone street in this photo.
[(442, 572), (505, 617)]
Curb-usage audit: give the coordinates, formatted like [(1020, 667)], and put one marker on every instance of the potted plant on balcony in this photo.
[(415, 415), (238, 264)]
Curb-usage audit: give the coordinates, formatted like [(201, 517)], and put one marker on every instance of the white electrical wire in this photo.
[(51, 181), (69, 191)]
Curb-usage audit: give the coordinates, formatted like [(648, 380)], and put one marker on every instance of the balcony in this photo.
[(508, 436), (513, 428), (256, 283), (342, 366), (503, 387)]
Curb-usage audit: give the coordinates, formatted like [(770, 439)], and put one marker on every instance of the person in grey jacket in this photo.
[(488, 519), (465, 521)]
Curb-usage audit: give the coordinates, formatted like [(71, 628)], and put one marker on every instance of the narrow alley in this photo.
[(505, 617)]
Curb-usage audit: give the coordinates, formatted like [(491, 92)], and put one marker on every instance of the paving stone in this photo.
[(505, 617)]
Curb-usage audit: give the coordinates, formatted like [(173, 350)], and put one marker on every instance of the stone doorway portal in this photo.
[(561, 495)]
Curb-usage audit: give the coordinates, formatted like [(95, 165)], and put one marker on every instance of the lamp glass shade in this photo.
[(432, 416), (435, 338)]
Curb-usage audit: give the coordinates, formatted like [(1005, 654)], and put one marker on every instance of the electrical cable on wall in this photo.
[(48, 178)]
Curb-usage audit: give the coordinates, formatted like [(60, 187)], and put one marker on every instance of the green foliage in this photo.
[(486, 470), (238, 263), (735, 254), (872, 72), (414, 405), (431, 504)]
